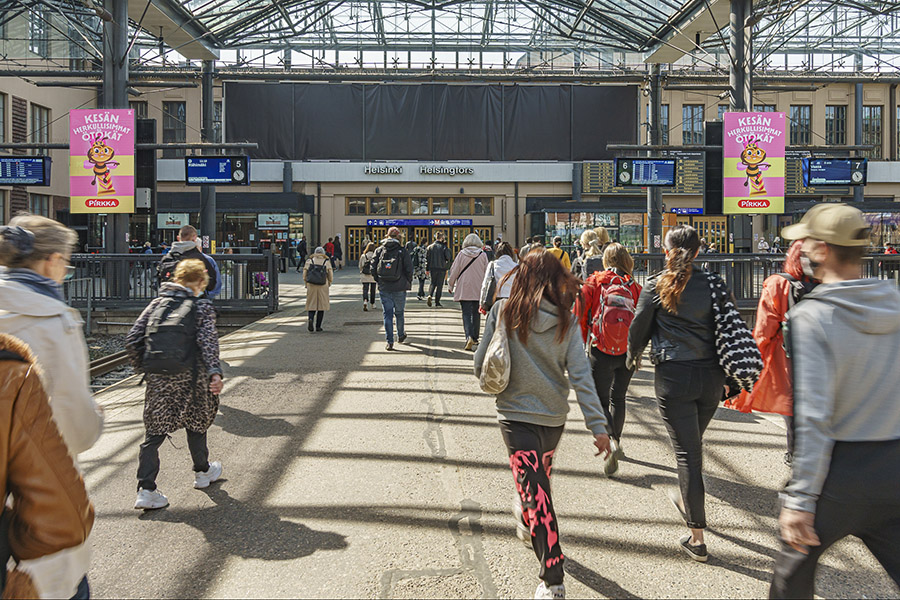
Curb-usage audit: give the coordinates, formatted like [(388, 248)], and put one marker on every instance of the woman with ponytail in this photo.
[(675, 313), (592, 261)]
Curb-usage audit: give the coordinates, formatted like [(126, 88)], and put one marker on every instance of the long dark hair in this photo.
[(539, 276), (682, 244)]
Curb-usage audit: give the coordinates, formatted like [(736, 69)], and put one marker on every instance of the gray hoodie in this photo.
[(538, 390), (845, 342)]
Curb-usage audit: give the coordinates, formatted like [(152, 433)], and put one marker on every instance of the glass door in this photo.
[(459, 236), (355, 237)]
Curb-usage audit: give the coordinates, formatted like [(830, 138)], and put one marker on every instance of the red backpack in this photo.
[(614, 314)]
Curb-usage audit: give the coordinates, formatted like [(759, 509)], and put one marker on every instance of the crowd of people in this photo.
[(822, 354)]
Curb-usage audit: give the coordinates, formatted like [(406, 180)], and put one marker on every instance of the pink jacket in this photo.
[(467, 286)]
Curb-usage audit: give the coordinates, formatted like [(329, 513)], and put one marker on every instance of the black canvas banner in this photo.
[(468, 120), (328, 121), (399, 122), (537, 122), (603, 115), (261, 113)]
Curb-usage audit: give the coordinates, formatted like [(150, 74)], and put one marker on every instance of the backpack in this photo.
[(611, 321), (170, 340), (316, 274), (798, 289), (166, 267), (390, 265), (366, 266), (591, 265)]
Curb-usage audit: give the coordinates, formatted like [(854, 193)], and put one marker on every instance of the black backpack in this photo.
[(798, 289), (390, 265), (166, 267), (170, 340), (366, 266), (316, 274)]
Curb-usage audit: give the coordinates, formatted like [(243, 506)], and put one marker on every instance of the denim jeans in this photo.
[(688, 396), (84, 590), (471, 318), (369, 293), (393, 304)]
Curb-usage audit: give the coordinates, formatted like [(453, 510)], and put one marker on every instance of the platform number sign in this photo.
[(217, 170)]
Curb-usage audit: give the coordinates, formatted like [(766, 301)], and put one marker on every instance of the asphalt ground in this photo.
[(354, 472)]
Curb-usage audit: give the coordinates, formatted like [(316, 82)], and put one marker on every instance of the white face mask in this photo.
[(809, 267)]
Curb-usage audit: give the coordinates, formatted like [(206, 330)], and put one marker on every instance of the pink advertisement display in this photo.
[(101, 161), (753, 167)]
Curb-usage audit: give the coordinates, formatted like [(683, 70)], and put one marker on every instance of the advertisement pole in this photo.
[(207, 192), (654, 194), (115, 95)]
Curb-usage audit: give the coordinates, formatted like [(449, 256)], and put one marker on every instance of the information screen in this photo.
[(217, 170), (834, 171), (645, 172), (22, 170)]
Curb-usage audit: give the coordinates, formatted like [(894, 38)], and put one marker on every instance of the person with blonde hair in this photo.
[(606, 311), (35, 258), (175, 344), (592, 261), (464, 282)]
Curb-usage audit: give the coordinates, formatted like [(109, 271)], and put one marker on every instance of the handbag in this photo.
[(496, 366), (489, 293), (738, 353)]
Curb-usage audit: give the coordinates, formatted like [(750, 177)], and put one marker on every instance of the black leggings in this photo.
[(148, 460), (421, 287), (319, 315), (688, 396), (610, 373), (531, 449), (369, 292)]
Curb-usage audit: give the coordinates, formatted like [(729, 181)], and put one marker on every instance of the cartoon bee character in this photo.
[(99, 158), (752, 160)]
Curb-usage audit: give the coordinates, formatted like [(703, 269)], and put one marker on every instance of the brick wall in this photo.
[(18, 197), (58, 203)]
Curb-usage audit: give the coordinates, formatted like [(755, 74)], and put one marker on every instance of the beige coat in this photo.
[(317, 295), (363, 278)]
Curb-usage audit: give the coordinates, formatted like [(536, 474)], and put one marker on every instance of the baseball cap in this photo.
[(837, 224)]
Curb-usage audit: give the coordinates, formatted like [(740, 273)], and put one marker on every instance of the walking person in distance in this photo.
[(561, 255), (437, 261), (606, 311), (466, 277), (546, 355), (419, 255), (393, 271), (318, 275), (365, 275), (496, 284), (675, 311), (175, 344)]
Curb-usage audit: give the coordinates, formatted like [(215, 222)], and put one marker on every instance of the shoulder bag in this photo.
[(496, 366), (489, 293), (738, 353)]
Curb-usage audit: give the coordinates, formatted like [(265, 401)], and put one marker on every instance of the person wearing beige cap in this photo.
[(844, 340)]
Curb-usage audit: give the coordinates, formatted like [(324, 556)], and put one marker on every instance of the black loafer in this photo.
[(310, 327), (697, 553)]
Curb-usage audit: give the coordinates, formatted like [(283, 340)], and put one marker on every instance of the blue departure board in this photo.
[(834, 171), (645, 172), (217, 170), (25, 170)]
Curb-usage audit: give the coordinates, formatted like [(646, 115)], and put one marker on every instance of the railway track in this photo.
[(108, 364)]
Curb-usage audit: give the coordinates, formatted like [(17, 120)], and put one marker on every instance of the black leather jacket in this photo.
[(438, 257), (689, 336)]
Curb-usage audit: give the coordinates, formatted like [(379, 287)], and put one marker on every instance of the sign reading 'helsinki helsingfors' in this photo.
[(101, 161), (753, 167)]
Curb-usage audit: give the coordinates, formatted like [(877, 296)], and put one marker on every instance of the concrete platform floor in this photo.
[(354, 472)]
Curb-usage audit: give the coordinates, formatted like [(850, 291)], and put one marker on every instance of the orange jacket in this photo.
[(773, 392)]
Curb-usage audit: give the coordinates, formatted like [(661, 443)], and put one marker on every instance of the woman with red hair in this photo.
[(544, 345)]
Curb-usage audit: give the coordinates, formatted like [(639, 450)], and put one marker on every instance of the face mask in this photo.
[(809, 266)]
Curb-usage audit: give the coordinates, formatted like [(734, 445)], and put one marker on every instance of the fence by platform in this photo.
[(128, 281), (745, 273)]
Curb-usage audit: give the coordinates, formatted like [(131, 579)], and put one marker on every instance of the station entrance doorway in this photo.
[(454, 235)]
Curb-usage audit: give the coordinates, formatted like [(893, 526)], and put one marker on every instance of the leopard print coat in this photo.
[(169, 402)]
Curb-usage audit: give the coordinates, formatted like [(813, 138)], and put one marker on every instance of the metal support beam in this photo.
[(654, 194), (858, 131), (892, 122), (115, 95), (740, 93), (207, 192)]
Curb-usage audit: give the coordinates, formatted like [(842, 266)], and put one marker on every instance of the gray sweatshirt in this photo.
[(845, 342), (538, 390)]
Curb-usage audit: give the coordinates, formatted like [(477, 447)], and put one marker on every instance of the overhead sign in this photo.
[(273, 221), (645, 172), (753, 163), (419, 222), (25, 170), (172, 220), (687, 211), (101, 161), (834, 171), (217, 170)]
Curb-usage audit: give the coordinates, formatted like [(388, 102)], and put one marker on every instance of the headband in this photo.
[(19, 237)]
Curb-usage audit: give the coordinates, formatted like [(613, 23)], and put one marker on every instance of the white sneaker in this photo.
[(611, 465), (522, 532), (549, 592), (365, 306), (202, 479), (150, 500)]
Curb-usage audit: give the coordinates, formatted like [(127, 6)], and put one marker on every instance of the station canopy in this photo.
[(508, 36)]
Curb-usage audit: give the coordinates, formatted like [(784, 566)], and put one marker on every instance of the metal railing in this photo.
[(249, 281), (745, 273)]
